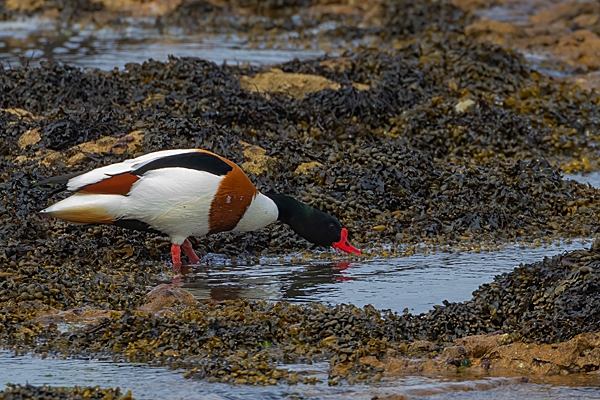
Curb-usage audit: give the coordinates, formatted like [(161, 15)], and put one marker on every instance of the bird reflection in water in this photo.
[(270, 282)]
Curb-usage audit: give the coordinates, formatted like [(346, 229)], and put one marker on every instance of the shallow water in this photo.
[(33, 40), (593, 178), (417, 282), (161, 383)]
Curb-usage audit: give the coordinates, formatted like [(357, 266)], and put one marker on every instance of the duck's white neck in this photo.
[(261, 212)]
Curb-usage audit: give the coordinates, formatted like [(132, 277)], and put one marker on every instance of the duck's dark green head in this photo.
[(313, 225)]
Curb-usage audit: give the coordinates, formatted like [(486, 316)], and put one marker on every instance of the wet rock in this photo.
[(589, 81), (476, 346), (139, 8), (559, 30)]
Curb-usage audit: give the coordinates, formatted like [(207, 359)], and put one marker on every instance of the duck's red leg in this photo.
[(189, 251), (176, 255)]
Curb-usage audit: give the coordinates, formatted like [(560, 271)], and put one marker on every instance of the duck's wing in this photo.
[(118, 178)]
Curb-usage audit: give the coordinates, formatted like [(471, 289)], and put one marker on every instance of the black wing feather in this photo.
[(62, 179), (58, 180), (195, 160)]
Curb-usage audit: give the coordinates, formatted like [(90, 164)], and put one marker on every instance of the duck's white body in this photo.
[(180, 193)]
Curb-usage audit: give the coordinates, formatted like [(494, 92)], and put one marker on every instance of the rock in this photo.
[(580, 353), (370, 11), (563, 11), (341, 369), (463, 105), (468, 5), (393, 397), (256, 159), (492, 354), (291, 84), (161, 297), (305, 168), (371, 361), (141, 8), (166, 296), (75, 155), (361, 86), (401, 365), (29, 138), (339, 64), (19, 112), (85, 315), (490, 26), (23, 5), (479, 345), (497, 32), (419, 346), (580, 47), (586, 20)]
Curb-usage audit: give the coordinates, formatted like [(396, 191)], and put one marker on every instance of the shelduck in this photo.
[(187, 192)]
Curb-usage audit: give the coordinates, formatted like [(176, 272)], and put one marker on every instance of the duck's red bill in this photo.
[(344, 245)]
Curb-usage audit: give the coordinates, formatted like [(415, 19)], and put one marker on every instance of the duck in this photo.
[(183, 193)]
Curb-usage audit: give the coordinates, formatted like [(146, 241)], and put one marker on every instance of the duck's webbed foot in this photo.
[(189, 251)]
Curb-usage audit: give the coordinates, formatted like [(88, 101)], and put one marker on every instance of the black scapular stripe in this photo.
[(193, 160), (135, 225), (61, 180)]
